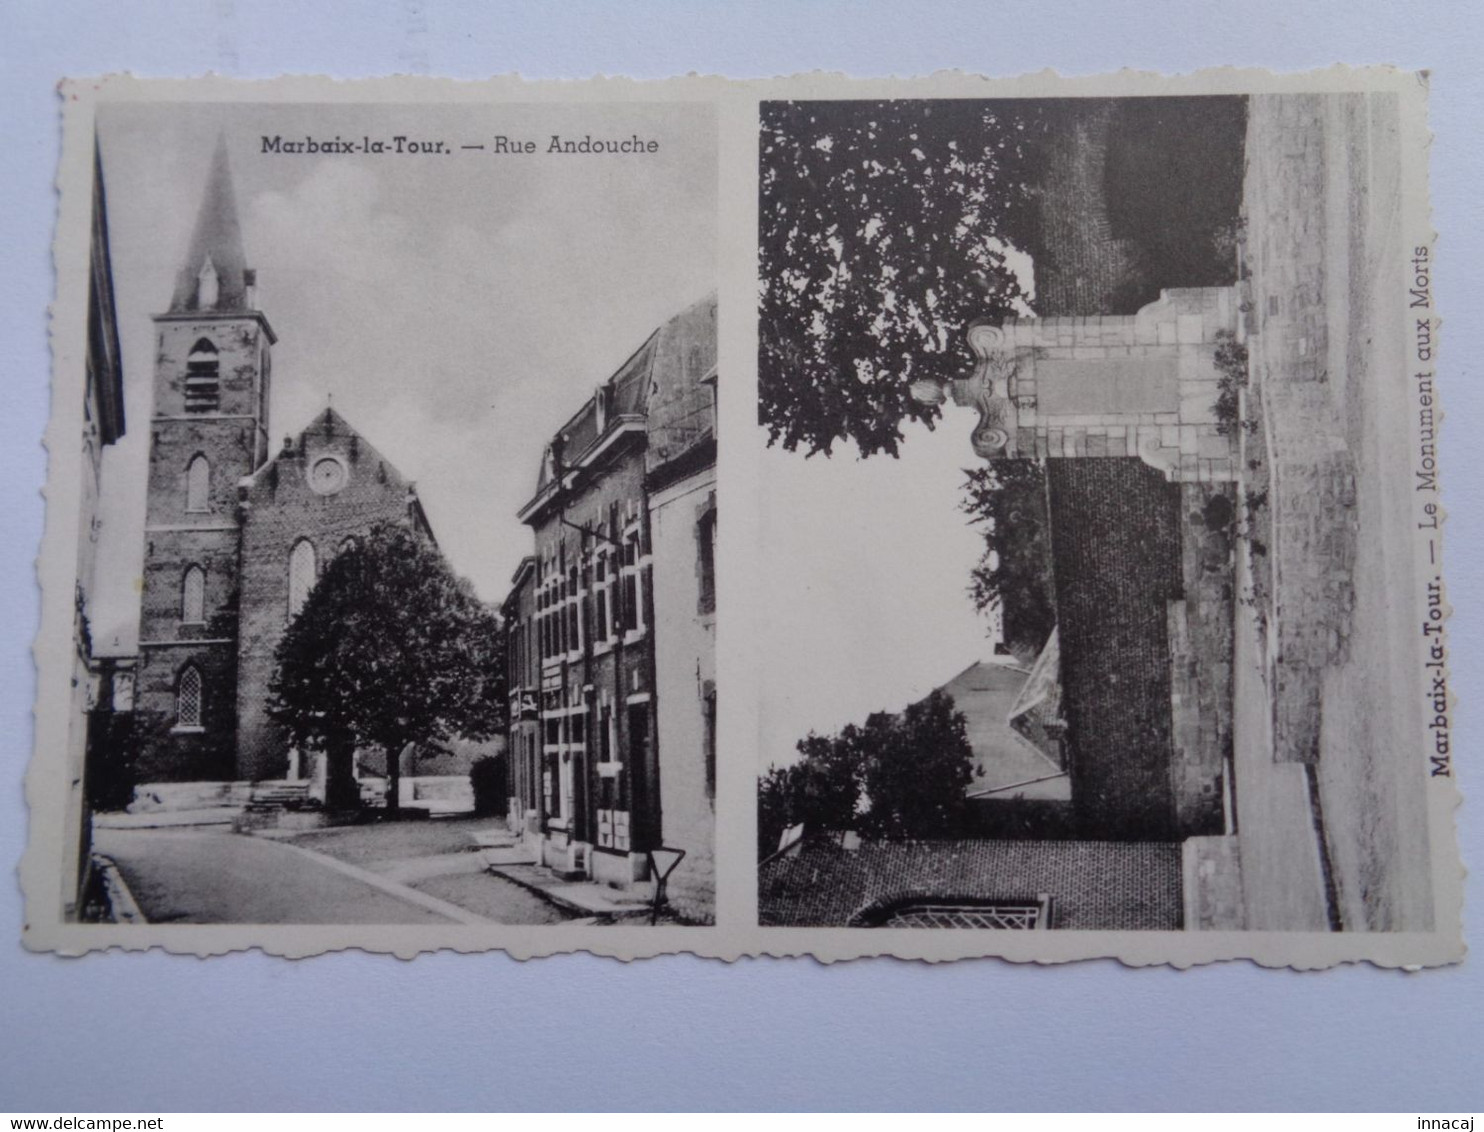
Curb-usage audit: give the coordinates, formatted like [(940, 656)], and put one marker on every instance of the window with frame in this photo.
[(303, 570), (1015, 915), (631, 584), (188, 697), (198, 484), (573, 611), (602, 627), (708, 710), (706, 562), (193, 596)]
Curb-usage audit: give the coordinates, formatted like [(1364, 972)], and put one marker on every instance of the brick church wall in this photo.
[(176, 538), (281, 509), (1116, 547)]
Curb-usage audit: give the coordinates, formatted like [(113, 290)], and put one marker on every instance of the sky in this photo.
[(457, 308), (865, 564), (865, 575)]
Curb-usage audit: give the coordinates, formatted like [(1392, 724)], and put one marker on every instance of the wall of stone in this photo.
[(1201, 657), (1212, 872), (168, 753), (1127, 385)]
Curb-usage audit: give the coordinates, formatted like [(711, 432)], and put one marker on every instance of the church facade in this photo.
[(235, 537)]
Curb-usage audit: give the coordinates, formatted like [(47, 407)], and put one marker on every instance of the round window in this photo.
[(327, 476)]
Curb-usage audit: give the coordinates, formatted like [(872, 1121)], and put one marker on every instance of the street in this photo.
[(1321, 200), (206, 876)]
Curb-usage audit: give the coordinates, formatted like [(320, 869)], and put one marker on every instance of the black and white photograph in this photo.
[(1098, 436), (395, 571)]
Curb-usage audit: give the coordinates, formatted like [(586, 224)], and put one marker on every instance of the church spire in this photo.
[(214, 276)]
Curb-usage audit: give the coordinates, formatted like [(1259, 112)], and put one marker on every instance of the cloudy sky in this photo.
[(458, 308)]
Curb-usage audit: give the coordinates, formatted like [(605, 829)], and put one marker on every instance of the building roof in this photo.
[(105, 369), (654, 395), (682, 392), (216, 239), (1091, 884), (1007, 764)]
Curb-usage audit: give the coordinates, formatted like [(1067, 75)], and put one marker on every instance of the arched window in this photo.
[(198, 484), (301, 574), (193, 596), (203, 380), (188, 697), (208, 286)]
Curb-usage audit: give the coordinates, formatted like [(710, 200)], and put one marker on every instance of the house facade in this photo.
[(103, 425), (612, 623)]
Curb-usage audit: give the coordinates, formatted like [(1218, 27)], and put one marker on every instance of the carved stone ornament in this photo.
[(986, 390)]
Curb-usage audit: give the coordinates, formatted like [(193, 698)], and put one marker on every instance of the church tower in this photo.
[(209, 429)]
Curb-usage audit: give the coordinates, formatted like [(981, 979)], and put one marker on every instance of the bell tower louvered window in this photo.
[(188, 698), (301, 574), (203, 390)]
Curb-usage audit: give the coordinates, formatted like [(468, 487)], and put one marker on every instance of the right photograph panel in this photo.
[(1097, 598)]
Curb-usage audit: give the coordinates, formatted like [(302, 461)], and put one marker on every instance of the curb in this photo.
[(563, 902), (122, 907)]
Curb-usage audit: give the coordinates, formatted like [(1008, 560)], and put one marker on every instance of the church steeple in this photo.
[(214, 275)]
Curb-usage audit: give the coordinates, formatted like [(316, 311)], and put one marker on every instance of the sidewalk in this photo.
[(168, 819), (505, 857)]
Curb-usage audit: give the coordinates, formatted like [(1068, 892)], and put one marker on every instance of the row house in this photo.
[(611, 637)]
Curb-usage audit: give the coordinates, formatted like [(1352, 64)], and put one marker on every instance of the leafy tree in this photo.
[(391, 648), (879, 242), (917, 770), (822, 790), (1007, 499), (897, 777)]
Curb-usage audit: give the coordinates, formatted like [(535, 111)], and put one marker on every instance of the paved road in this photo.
[(209, 877)]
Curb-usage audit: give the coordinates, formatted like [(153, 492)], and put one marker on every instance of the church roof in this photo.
[(330, 425), (217, 240)]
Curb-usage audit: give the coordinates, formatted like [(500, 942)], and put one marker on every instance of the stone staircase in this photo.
[(275, 797)]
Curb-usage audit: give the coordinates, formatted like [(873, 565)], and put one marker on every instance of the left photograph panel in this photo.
[(394, 596)]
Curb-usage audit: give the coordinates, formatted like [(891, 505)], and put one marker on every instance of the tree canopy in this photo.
[(390, 648), (1013, 578), (881, 238), (898, 777)]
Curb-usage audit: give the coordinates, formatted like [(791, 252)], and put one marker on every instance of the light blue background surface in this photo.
[(120, 1033)]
